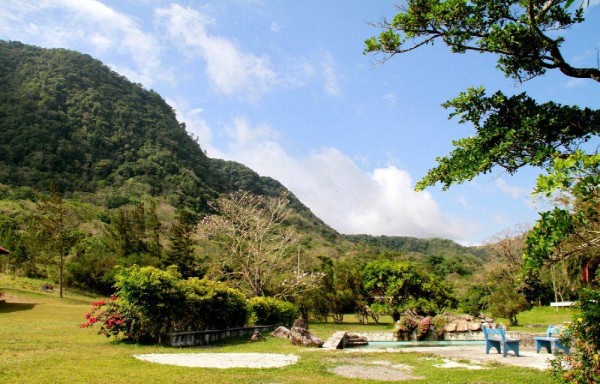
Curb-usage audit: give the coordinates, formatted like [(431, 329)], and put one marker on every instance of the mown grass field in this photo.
[(41, 342)]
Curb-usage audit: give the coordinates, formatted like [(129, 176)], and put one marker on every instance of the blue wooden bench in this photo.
[(551, 343), (496, 338)]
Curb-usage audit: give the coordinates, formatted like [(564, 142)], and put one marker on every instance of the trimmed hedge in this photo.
[(271, 311), (166, 303)]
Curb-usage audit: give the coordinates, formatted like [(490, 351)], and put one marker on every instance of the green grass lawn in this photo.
[(537, 319), (41, 342)]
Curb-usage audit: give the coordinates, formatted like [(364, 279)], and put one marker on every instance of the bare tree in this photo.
[(261, 250), (508, 246)]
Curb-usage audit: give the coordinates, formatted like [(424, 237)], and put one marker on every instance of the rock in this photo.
[(301, 336), (300, 323), (256, 336), (281, 332), (475, 326), (462, 326), (450, 327)]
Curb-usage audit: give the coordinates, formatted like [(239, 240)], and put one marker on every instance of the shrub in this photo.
[(271, 311), (582, 366), (155, 294), (152, 302), (439, 323), (117, 318), (212, 305)]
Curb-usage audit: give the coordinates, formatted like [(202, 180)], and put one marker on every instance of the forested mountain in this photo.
[(66, 119), (439, 247)]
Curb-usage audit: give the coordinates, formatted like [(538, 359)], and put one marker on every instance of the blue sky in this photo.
[(283, 87)]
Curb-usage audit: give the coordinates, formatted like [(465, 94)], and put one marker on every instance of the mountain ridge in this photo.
[(68, 119)]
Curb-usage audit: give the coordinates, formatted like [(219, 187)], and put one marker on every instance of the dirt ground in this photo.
[(476, 354)]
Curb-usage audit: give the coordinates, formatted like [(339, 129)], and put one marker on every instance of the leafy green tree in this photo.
[(506, 302), (476, 299), (523, 34), (55, 231), (13, 236), (91, 265), (134, 235), (401, 286), (571, 230), (511, 131), (181, 253)]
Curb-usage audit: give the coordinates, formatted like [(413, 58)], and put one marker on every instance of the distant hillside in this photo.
[(67, 119), (425, 247)]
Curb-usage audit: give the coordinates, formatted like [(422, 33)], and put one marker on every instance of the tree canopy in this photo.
[(513, 131), (401, 286), (522, 33)]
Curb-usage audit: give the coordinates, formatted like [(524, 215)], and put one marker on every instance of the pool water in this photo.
[(412, 344)]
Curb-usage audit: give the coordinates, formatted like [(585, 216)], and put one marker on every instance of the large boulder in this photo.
[(450, 327), (475, 326), (301, 336), (281, 332), (462, 325), (256, 336)]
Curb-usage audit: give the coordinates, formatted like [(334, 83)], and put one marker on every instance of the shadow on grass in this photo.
[(15, 307)]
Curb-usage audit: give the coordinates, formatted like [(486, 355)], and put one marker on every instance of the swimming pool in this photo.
[(413, 344)]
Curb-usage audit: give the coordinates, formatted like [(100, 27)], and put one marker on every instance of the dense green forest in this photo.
[(96, 172)]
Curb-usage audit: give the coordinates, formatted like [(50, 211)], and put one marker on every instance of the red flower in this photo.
[(99, 303)]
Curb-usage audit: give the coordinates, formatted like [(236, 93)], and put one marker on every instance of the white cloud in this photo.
[(87, 23), (331, 85), (512, 191), (230, 70), (196, 125), (349, 199)]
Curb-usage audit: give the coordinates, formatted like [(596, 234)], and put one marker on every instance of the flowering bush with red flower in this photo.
[(115, 319)]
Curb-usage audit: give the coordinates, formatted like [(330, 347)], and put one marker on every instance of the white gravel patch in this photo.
[(221, 360)]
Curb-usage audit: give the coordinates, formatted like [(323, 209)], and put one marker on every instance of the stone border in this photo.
[(194, 338), (338, 339)]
